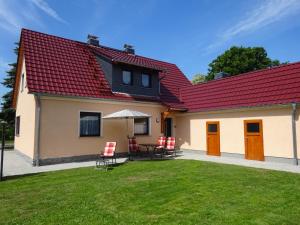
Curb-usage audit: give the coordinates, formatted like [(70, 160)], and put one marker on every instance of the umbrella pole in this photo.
[(127, 127), (127, 135)]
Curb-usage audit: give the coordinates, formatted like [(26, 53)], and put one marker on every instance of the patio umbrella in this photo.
[(126, 114)]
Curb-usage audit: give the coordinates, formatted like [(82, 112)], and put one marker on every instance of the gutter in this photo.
[(36, 157), (294, 133), (240, 109)]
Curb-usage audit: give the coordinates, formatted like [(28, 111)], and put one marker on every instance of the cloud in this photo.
[(15, 14), (267, 13), (42, 5), (8, 19)]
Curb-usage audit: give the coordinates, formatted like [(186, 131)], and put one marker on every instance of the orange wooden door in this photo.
[(213, 138), (253, 132)]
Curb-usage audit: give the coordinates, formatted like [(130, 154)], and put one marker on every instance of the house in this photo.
[(63, 89)]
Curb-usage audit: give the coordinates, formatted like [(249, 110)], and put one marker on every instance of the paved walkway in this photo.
[(243, 162), (15, 164)]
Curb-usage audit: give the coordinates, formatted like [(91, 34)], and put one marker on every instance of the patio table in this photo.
[(150, 148)]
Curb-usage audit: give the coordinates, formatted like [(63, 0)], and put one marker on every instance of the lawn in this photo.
[(153, 192)]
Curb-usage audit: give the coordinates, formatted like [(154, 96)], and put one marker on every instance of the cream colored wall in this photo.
[(25, 108), (277, 131), (60, 126)]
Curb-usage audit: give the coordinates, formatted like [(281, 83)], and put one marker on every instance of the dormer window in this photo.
[(146, 81), (127, 77)]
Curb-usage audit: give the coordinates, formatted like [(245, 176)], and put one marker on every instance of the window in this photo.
[(212, 128), (90, 123), (146, 80), (141, 126), (17, 131), (253, 127), (127, 77), (22, 82)]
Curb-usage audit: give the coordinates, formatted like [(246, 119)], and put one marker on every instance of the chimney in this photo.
[(129, 49), (221, 75), (93, 40)]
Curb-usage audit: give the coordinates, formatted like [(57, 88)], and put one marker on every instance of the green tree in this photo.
[(238, 60), (7, 112), (198, 78)]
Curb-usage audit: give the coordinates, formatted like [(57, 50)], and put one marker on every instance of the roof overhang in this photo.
[(244, 108)]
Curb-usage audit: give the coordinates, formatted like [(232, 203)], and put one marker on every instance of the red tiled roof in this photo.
[(65, 67), (277, 85), (61, 66)]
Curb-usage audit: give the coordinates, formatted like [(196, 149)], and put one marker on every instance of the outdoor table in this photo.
[(150, 148)]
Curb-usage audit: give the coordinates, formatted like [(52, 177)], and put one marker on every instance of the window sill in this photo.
[(142, 135), (90, 136)]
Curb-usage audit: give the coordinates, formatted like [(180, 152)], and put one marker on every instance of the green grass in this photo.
[(155, 192)]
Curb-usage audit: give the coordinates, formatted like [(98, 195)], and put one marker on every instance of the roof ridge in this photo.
[(248, 73)]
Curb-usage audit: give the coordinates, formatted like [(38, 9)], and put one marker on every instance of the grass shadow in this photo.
[(110, 166)]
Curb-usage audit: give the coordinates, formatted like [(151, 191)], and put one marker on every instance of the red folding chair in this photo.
[(107, 154), (133, 147), (170, 147), (161, 144)]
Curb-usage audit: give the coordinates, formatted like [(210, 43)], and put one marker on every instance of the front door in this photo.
[(213, 138), (253, 132), (168, 127)]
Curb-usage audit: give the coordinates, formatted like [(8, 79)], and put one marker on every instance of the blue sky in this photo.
[(188, 33)]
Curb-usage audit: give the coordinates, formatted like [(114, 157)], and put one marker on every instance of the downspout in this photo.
[(37, 130), (294, 108)]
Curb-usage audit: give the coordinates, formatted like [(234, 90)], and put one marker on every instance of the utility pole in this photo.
[(3, 123)]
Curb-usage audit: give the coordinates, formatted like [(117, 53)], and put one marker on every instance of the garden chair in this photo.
[(133, 147), (161, 144), (170, 146), (107, 154)]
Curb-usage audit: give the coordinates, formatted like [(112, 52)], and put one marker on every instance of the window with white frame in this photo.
[(90, 124), (141, 126)]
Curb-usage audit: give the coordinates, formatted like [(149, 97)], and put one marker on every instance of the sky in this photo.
[(188, 33)]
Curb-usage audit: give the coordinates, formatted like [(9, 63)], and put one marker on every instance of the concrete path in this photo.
[(242, 162), (15, 164)]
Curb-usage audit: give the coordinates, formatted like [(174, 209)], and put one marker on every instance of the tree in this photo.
[(238, 60), (198, 78), (7, 112)]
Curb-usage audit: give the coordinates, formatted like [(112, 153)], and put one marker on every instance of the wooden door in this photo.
[(253, 132), (213, 138), (168, 127)]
